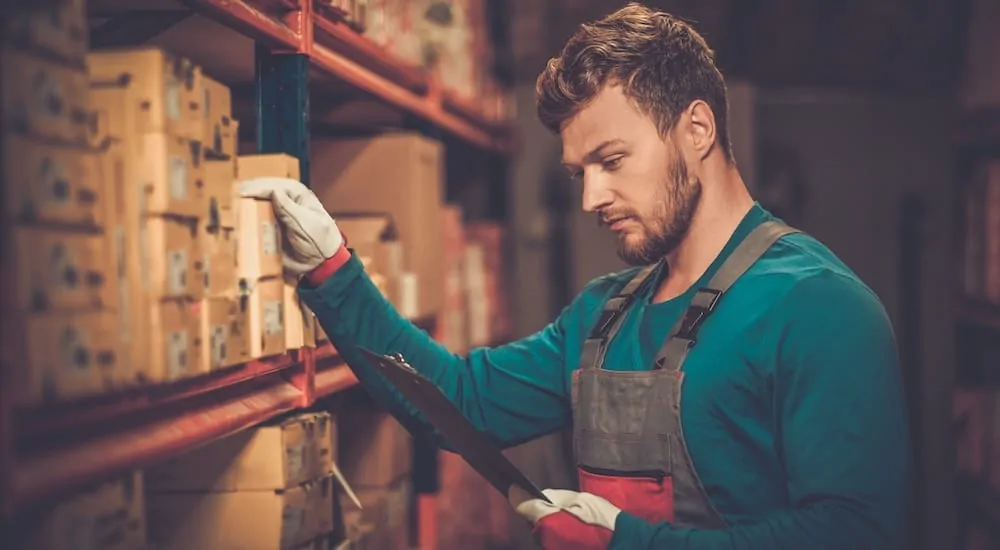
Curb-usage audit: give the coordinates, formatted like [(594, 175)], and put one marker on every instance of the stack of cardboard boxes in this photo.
[(400, 176), (109, 516), (58, 300), (376, 458), (270, 488), (151, 104)]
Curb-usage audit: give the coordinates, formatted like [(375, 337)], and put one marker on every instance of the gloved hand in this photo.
[(572, 521), (311, 234)]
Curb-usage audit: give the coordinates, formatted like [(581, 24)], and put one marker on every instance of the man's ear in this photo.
[(699, 128)]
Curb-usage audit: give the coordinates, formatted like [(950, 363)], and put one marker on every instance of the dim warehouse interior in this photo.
[(165, 385)]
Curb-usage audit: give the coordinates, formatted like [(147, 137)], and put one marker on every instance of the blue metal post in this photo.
[(283, 105)]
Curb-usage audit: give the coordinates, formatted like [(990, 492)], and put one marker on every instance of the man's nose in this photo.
[(596, 195)]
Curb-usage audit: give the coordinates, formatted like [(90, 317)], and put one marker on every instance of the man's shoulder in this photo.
[(803, 276)]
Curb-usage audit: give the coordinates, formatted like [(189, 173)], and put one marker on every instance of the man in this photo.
[(738, 389)]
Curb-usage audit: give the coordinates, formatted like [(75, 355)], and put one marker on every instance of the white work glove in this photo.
[(311, 235), (572, 520)]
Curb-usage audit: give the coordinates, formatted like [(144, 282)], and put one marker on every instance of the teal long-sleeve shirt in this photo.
[(793, 409)]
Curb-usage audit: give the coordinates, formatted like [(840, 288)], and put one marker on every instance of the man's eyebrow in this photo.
[(595, 154)]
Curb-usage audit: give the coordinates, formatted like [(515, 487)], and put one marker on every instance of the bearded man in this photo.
[(737, 389)]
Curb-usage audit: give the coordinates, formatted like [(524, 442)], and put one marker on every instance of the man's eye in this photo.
[(612, 163), (576, 176)]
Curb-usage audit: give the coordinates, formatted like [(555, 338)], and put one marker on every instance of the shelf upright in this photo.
[(282, 97)]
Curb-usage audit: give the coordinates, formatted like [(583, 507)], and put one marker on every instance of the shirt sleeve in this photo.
[(841, 425), (491, 387)]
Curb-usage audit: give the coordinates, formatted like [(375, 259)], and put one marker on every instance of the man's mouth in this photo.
[(616, 224)]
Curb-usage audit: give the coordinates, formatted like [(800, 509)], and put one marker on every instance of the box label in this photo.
[(273, 318), (75, 350), (219, 337), (178, 177), (172, 95), (177, 265), (177, 354), (293, 521), (269, 238), (53, 183), (295, 457)]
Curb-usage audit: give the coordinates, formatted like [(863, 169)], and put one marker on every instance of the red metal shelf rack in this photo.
[(57, 448), (338, 51)]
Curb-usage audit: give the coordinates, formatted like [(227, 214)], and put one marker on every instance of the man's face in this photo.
[(635, 181)]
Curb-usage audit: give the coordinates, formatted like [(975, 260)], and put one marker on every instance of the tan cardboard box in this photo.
[(107, 99), (376, 450), (175, 340), (59, 356), (42, 98), (168, 92), (220, 131), (110, 516), (275, 456), (267, 318), (57, 270), (277, 165), (52, 183), (225, 328), (218, 249), (259, 240), (299, 327), (59, 30), (220, 190), (172, 174), (126, 250), (399, 174), (264, 520), (173, 266)]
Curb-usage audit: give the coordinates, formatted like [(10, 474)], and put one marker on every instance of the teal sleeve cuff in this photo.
[(632, 532)]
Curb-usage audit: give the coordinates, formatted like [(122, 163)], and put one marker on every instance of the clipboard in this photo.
[(475, 447)]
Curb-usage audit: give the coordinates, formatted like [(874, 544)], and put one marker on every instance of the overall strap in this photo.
[(683, 334), (596, 344)]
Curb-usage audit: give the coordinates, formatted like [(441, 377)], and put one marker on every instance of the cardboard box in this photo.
[(220, 130), (278, 455), (259, 240), (220, 192), (127, 255), (374, 237), (385, 508), (265, 520), (172, 176), (59, 30), (52, 183), (167, 92), (267, 317), (172, 266), (175, 341), (57, 270), (225, 328), (44, 99), (399, 174), (59, 356), (376, 451), (277, 165), (111, 118), (110, 516), (299, 331), (218, 249)]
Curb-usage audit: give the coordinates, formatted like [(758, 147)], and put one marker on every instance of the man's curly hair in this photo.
[(660, 61)]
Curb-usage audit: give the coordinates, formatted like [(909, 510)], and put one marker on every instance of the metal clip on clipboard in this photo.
[(475, 447)]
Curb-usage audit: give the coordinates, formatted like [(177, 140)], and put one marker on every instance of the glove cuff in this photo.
[(329, 266)]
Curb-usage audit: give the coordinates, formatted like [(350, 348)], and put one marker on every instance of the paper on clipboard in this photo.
[(475, 447)]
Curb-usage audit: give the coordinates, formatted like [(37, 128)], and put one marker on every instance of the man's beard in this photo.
[(664, 229)]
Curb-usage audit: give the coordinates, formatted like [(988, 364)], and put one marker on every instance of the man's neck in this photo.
[(724, 204)]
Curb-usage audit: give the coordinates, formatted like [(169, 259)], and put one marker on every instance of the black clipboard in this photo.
[(475, 447)]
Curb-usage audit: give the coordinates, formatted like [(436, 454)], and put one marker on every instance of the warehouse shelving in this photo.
[(299, 52), (337, 51)]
